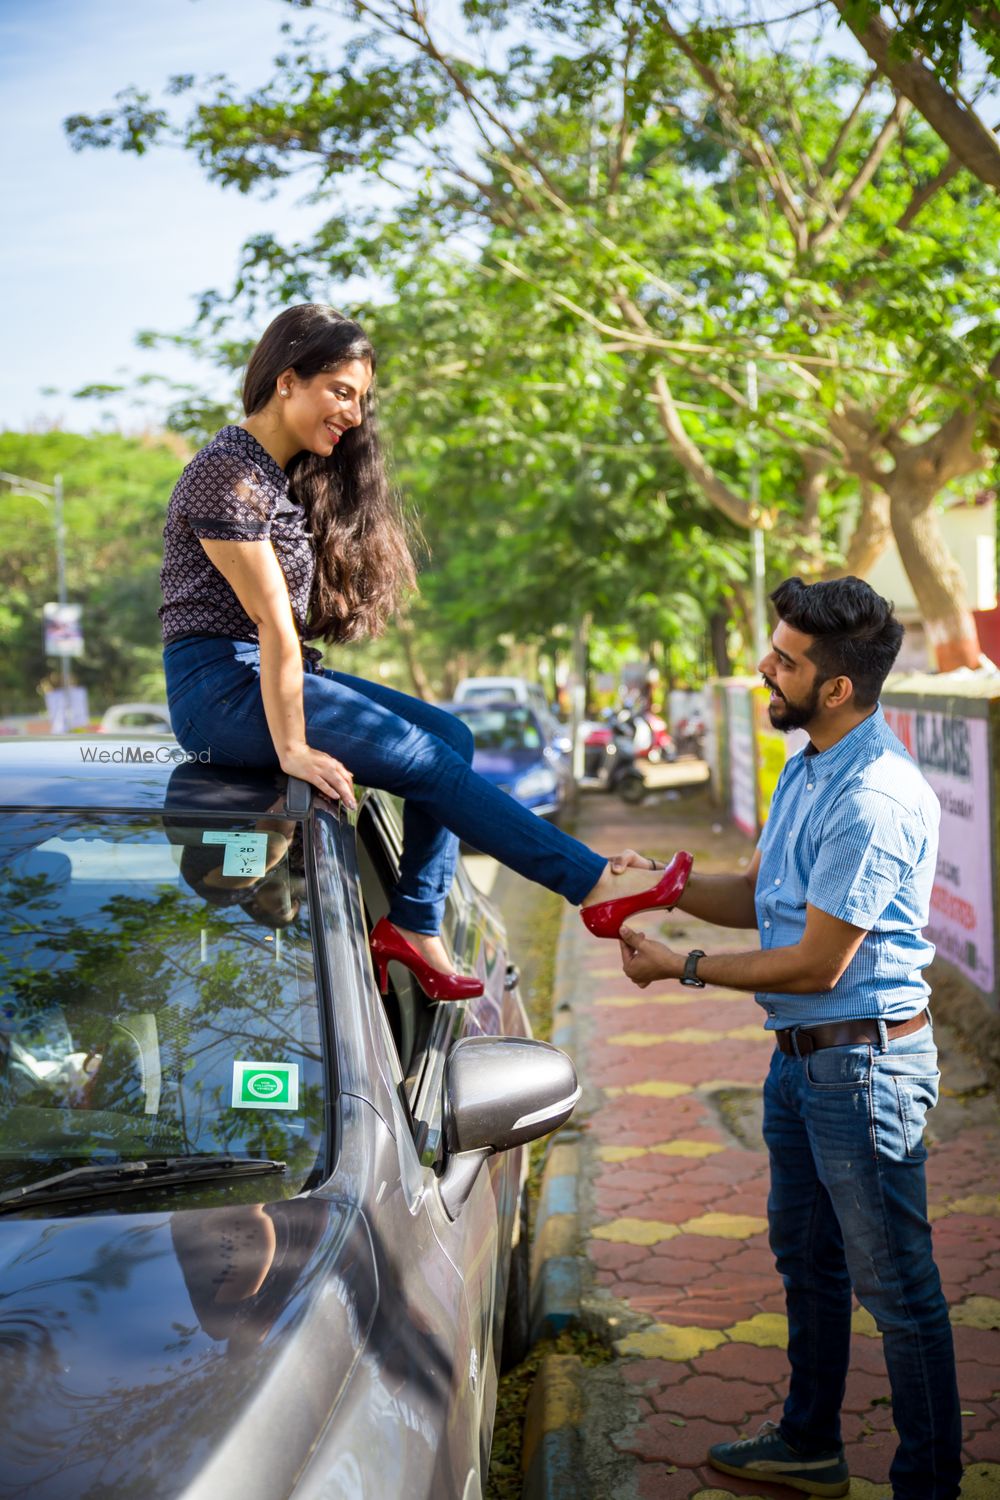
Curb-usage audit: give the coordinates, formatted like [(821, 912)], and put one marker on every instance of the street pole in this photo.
[(761, 638), (57, 498)]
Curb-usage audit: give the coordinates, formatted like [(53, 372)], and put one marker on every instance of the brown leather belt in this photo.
[(841, 1034)]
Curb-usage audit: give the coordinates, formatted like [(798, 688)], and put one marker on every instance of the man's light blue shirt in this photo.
[(854, 831)]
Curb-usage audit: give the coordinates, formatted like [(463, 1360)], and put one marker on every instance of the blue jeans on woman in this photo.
[(386, 740), (848, 1207)]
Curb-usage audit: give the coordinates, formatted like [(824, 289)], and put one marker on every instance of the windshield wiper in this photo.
[(129, 1176)]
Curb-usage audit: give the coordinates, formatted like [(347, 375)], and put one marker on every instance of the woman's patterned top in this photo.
[(232, 490)]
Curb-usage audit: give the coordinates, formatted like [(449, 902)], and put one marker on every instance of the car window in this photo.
[(158, 996), (503, 728)]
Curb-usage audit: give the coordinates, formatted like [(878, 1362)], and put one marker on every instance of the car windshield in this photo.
[(157, 997), (503, 728)]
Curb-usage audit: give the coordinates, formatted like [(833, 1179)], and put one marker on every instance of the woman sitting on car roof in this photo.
[(284, 528)]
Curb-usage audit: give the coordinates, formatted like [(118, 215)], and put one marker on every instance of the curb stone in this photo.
[(552, 1448), (552, 1451), (555, 1257)]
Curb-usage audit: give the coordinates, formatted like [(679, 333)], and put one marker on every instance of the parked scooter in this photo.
[(609, 756), (691, 736)]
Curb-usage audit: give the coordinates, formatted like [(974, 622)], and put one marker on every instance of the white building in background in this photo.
[(970, 534)]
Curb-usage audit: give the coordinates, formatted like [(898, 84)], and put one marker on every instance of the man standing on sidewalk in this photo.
[(839, 888)]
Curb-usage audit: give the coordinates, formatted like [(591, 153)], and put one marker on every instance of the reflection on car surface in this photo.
[(262, 1231), (132, 718), (520, 752)]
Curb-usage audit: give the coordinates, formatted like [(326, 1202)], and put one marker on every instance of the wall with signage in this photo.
[(951, 727), (955, 739)]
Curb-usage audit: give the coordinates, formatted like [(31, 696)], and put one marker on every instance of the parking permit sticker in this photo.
[(265, 1085), (246, 853)]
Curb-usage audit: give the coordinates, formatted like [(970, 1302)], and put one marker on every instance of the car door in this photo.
[(467, 1254)]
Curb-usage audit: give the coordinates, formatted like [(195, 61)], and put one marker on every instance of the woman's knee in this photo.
[(456, 734)]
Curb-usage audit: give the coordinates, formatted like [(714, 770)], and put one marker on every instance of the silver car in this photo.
[(262, 1231)]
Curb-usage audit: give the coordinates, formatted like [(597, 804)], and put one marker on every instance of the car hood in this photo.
[(139, 1353), (505, 765)]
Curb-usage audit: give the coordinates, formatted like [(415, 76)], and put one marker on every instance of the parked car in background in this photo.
[(262, 1231), (144, 718), (519, 689), (520, 752)]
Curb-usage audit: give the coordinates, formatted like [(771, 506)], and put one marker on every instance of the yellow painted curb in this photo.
[(554, 1402), (558, 1235), (563, 1161)]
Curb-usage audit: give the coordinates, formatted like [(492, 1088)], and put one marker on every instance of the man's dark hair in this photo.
[(856, 633)]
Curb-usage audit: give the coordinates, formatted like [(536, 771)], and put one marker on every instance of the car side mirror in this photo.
[(499, 1092)]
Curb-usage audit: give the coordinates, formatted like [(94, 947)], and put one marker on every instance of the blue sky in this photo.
[(98, 245)]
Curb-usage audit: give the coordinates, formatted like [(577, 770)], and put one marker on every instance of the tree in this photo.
[(698, 203), (116, 496), (921, 55)]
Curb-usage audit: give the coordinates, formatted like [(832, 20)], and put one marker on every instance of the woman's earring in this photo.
[(284, 392)]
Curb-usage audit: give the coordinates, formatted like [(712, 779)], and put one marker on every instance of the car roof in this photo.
[(134, 773), (478, 705)]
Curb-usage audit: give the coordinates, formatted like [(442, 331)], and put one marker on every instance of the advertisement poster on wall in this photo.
[(773, 750), (742, 777), (953, 753)]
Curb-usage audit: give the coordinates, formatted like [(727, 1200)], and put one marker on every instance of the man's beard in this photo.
[(786, 715)]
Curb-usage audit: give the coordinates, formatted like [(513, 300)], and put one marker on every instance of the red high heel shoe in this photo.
[(604, 918), (387, 944)]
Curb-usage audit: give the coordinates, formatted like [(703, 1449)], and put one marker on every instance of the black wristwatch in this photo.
[(690, 975)]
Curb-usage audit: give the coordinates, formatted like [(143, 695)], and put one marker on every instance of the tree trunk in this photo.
[(872, 534), (718, 629), (935, 577), (415, 667)]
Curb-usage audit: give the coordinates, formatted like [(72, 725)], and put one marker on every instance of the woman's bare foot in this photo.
[(430, 947)]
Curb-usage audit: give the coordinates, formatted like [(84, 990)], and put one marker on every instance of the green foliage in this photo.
[(599, 201), (116, 492)]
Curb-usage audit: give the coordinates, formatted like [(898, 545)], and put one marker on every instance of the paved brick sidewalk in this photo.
[(673, 1184)]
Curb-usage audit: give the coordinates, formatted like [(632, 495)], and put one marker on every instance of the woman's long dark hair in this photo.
[(363, 560)]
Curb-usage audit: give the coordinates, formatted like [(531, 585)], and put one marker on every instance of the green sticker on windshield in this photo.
[(265, 1085), (246, 853)]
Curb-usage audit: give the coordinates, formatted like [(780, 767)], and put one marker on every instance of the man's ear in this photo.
[(839, 692)]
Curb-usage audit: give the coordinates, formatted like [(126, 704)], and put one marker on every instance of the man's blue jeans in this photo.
[(848, 1207), (386, 740)]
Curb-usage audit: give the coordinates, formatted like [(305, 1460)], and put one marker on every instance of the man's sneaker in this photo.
[(767, 1456)]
